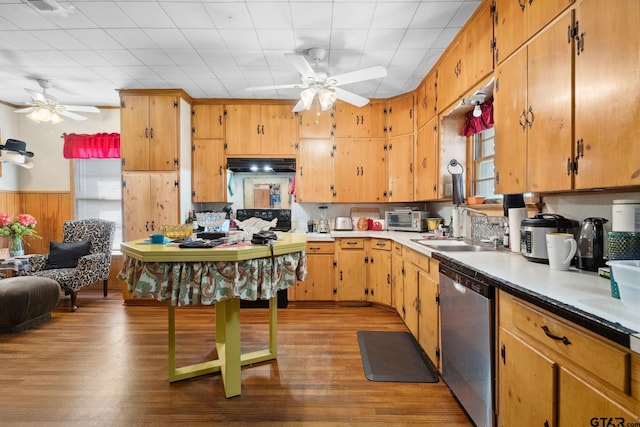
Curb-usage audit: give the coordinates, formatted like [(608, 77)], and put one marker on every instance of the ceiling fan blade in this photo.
[(350, 97), (274, 87), (298, 107), (302, 65), (357, 76), (81, 108), (25, 110), (73, 116), (41, 97)]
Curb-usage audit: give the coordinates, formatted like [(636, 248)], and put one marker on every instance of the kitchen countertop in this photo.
[(579, 296)]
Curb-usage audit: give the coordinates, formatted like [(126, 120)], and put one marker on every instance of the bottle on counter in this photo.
[(506, 237)]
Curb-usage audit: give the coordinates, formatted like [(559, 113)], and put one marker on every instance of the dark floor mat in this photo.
[(394, 357)]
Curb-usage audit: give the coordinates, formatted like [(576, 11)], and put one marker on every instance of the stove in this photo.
[(283, 215)]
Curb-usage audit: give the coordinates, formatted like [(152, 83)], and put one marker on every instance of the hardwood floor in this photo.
[(106, 365)]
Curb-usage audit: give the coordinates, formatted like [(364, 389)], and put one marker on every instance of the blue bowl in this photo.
[(156, 238)]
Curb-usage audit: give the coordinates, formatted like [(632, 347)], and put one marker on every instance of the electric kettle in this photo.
[(591, 244)]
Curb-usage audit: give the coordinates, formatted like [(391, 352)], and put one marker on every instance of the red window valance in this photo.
[(96, 146)]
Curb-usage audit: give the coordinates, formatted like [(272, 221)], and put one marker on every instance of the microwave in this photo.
[(406, 220)]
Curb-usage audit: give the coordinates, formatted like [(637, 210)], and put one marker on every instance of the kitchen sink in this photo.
[(455, 245)]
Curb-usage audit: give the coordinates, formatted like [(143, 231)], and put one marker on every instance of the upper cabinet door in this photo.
[(315, 124), (208, 173), (426, 166), (243, 129), (607, 99), (401, 117), (280, 134), (207, 121), (163, 141), (314, 171), (478, 40), (359, 122), (400, 168), (134, 132)]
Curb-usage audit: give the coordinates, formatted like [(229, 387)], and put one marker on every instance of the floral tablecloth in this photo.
[(193, 283)]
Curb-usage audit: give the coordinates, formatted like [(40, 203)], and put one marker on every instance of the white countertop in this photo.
[(581, 290)]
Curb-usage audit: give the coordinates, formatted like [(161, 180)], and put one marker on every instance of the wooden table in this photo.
[(219, 276)]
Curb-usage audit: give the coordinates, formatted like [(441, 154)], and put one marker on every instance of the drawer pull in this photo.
[(548, 333)]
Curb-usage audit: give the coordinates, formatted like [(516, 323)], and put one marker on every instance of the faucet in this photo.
[(466, 221), (477, 212)]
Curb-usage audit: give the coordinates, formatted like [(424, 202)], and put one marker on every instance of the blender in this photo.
[(323, 223)]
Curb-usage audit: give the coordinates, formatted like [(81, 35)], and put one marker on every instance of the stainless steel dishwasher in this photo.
[(467, 328)]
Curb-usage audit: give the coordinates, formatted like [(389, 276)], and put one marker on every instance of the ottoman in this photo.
[(26, 301)]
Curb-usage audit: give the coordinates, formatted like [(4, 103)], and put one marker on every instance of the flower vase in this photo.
[(15, 248)]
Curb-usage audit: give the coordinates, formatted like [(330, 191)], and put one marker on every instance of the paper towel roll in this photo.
[(455, 222), (516, 215)]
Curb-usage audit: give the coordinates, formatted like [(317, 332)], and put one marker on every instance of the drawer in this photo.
[(397, 248), (417, 259), (381, 244), (600, 358), (320, 247), (351, 243)]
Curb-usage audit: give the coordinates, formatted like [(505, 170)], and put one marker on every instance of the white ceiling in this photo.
[(215, 48)]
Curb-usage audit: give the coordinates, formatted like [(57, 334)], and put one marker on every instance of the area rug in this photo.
[(394, 357)]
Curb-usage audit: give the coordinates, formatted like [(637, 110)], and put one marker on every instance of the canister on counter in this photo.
[(625, 216)]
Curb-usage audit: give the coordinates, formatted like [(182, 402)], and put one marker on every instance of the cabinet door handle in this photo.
[(220, 119), (530, 114), (258, 129), (146, 132), (523, 120), (522, 4), (548, 333), (150, 132)]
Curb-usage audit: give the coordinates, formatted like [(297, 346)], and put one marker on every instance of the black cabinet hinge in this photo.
[(225, 112), (124, 184), (176, 183), (193, 148), (437, 353), (438, 299), (193, 113), (503, 354), (175, 162), (122, 103), (193, 193), (175, 104), (193, 129), (335, 264)]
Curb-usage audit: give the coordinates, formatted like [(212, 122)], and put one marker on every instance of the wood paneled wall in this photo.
[(51, 210)]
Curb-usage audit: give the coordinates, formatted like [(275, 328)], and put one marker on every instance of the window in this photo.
[(97, 185), (483, 156)]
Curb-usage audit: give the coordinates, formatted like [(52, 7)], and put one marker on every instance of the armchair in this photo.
[(90, 268)]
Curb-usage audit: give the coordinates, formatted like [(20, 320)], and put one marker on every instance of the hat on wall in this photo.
[(16, 146), (17, 159)]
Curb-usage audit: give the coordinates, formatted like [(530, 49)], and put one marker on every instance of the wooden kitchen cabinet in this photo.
[(400, 168), (314, 171), (397, 279), (207, 121), (359, 166), (533, 129), (426, 164), (351, 271), (379, 271), (426, 100), (149, 201), (607, 99), (319, 284), (553, 372), (400, 115), (315, 123), (208, 171), (149, 132), (517, 21), (262, 130), (359, 122), (450, 82)]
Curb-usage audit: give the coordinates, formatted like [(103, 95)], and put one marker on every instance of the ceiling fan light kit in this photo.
[(46, 108), (319, 83)]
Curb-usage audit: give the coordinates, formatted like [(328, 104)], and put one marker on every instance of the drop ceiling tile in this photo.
[(393, 15), (349, 40), (434, 14), (250, 58), (152, 57), (168, 38), (105, 14), (377, 57), (119, 57), (87, 58), (146, 14), (384, 39), (132, 38), (270, 15), (407, 57), (95, 38), (311, 15), (464, 12), (188, 15), (7, 25), (240, 39), (227, 16), (226, 71), (276, 39), (204, 38), (420, 38), (352, 15), (110, 72), (140, 72), (305, 39), (59, 39), (184, 57), (215, 57), (445, 38), (22, 16), (16, 40)]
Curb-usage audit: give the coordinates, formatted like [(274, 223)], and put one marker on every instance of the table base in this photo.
[(229, 360)]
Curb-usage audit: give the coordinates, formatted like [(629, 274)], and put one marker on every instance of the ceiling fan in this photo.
[(45, 107), (324, 86)]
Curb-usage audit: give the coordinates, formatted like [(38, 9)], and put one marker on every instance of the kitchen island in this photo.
[(219, 276)]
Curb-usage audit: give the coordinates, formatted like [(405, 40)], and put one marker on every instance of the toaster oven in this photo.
[(408, 220)]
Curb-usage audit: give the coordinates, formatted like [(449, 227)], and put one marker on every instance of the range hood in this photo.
[(261, 165)]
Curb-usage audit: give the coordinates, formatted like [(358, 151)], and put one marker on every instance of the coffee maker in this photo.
[(590, 252)]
